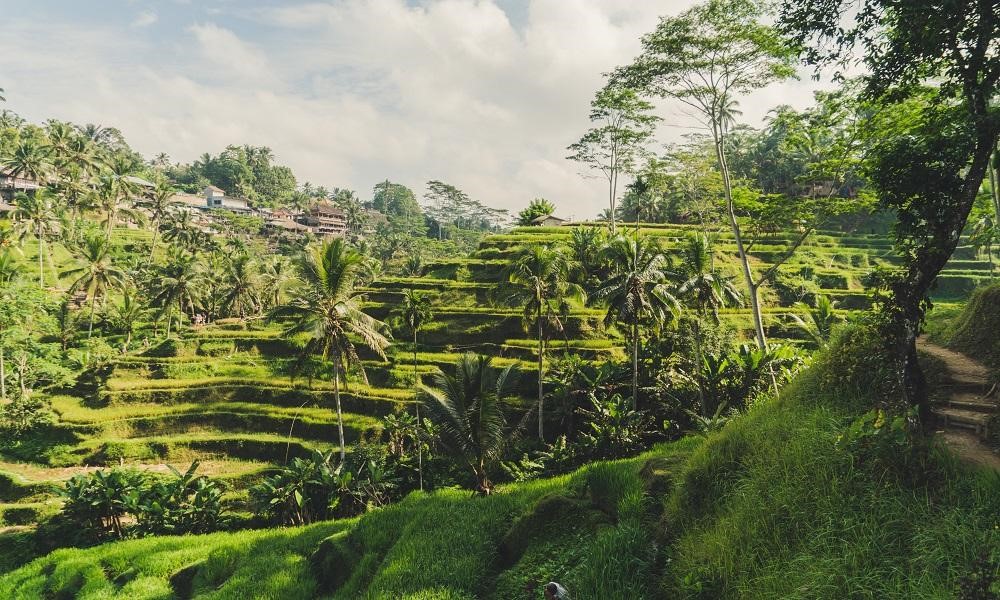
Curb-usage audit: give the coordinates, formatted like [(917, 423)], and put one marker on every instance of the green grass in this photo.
[(768, 507)]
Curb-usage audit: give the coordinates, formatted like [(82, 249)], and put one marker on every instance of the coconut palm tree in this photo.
[(178, 285), (468, 410), (637, 289), (8, 267), (127, 313), (415, 312), (704, 289), (161, 204), (97, 275), (538, 280), (585, 247), (276, 275), (34, 214), (29, 159), (327, 309), (241, 295), (114, 196)]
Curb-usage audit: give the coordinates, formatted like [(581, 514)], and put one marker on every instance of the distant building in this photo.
[(10, 185), (216, 198), (547, 221), (6, 208), (324, 219)]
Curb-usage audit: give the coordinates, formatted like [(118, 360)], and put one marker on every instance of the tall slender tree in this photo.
[(97, 275), (538, 280), (35, 215), (416, 311), (624, 125), (638, 288), (706, 290), (327, 309), (706, 58)]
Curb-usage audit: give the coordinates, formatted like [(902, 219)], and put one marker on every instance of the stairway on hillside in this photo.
[(965, 405)]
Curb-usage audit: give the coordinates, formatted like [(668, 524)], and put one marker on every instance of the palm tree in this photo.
[(8, 267), (97, 275), (538, 281), (242, 286), (127, 313), (327, 308), (179, 284), (180, 229), (29, 159), (276, 275), (704, 289), (34, 214), (985, 234), (585, 246), (415, 312), (467, 409), (637, 288), (161, 204), (822, 317), (114, 196)]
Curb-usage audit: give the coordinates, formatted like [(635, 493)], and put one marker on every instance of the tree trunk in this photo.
[(700, 363), (420, 440), (41, 268), (611, 199), (635, 364), (3, 377), (90, 328), (994, 180), (340, 414), (752, 288), (541, 381), (910, 292)]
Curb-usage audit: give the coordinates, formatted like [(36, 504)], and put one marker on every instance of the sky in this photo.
[(482, 94)]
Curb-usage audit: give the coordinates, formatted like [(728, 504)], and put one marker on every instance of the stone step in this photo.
[(966, 419), (970, 402)]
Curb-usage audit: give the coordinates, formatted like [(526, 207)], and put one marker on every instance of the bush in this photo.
[(124, 502)]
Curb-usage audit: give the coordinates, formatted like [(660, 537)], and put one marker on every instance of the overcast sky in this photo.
[(483, 94)]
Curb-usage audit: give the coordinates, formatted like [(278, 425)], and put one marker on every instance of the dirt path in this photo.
[(963, 406)]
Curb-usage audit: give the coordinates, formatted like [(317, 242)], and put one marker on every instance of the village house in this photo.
[(547, 221), (11, 185), (324, 219)]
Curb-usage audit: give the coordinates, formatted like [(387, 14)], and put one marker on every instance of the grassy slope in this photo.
[(769, 507)]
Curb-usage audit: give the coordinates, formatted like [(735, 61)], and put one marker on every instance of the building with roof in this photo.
[(216, 198), (547, 221), (11, 185), (325, 219)]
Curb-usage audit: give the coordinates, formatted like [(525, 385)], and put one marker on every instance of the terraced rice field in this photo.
[(226, 394)]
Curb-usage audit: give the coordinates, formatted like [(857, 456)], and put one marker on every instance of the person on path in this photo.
[(554, 591)]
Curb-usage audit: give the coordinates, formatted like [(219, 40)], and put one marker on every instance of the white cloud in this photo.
[(351, 92), (145, 19)]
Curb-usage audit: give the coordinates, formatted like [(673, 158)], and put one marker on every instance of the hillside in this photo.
[(226, 393), (774, 505)]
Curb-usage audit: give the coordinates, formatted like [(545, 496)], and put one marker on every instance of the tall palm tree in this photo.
[(114, 195), (127, 313), (180, 229), (327, 308), (638, 288), (539, 281), (34, 214), (585, 247), (178, 285), (97, 275), (704, 289), (161, 204), (467, 408), (276, 275), (241, 296), (415, 312)]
